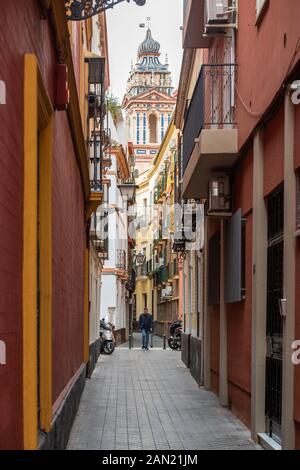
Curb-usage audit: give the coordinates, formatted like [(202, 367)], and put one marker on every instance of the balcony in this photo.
[(96, 142), (205, 19), (173, 270), (131, 283), (121, 260), (141, 222), (149, 267), (98, 235), (210, 136)]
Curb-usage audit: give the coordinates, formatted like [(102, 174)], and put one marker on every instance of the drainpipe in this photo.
[(206, 316)]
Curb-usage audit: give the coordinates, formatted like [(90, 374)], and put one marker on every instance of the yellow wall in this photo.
[(36, 98)]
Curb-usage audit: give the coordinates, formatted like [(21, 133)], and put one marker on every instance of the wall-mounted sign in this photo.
[(295, 88), (141, 152), (62, 97), (2, 353), (2, 92), (153, 152)]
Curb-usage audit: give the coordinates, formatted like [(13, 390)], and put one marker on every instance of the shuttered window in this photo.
[(235, 259), (214, 259)]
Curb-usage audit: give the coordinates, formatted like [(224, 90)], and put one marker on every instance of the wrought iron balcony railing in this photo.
[(141, 221), (98, 238), (121, 260), (131, 283), (212, 105), (99, 138)]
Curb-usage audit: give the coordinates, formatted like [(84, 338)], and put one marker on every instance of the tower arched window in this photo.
[(153, 128)]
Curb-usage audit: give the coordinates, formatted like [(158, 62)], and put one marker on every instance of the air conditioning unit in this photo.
[(217, 12), (219, 203)]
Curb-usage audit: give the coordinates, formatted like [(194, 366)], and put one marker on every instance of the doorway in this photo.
[(274, 333), (37, 252)]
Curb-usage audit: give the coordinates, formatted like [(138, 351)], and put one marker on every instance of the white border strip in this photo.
[(2, 353), (2, 92)]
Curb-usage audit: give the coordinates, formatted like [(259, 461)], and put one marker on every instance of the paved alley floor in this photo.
[(144, 400), (155, 341)]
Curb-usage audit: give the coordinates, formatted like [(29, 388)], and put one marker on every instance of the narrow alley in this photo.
[(149, 226), (143, 400)]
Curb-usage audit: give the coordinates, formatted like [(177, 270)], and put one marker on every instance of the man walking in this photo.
[(145, 328)]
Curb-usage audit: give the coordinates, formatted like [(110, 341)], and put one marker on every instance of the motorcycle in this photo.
[(174, 341), (107, 345)]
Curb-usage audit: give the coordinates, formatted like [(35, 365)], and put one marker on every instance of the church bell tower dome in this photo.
[(149, 45)]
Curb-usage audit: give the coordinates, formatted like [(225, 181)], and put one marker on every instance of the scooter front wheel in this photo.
[(109, 348), (172, 343)]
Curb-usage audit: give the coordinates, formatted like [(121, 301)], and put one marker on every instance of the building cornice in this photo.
[(62, 37), (119, 152), (184, 83), (164, 98)]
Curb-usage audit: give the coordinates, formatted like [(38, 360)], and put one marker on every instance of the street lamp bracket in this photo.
[(78, 10)]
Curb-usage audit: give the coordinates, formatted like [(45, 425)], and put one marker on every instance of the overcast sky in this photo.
[(124, 36)]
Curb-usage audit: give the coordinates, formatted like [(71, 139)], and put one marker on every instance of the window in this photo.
[(144, 129), (162, 127), (153, 128), (138, 128), (145, 214), (235, 255)]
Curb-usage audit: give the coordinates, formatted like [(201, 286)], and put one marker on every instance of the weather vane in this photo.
[(143, 25)]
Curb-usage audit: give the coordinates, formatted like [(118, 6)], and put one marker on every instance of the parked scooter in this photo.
[(174, 341), (107, 345)]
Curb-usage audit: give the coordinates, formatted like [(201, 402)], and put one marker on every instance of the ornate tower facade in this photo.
[(149, 103)]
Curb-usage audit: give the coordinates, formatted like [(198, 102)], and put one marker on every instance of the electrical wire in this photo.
[(258, 114)]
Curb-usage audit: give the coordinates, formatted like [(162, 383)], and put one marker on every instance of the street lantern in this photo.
[(139, 259), (77, 10), (127, 191)]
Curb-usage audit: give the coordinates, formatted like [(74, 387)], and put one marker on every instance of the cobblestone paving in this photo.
[(144, 400)]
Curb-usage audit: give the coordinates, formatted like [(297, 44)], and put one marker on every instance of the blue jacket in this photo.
[(146, 322)]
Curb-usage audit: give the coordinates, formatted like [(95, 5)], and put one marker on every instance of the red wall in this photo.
[(297, 326), (240, 314), (68, 259), (262, 69), (274, 153), (214, 227), (215, 348), (22, 31)]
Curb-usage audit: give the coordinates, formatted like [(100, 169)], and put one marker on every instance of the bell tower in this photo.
[(149, 103)]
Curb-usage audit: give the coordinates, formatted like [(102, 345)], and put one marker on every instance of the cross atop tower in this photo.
[(149, 22)]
